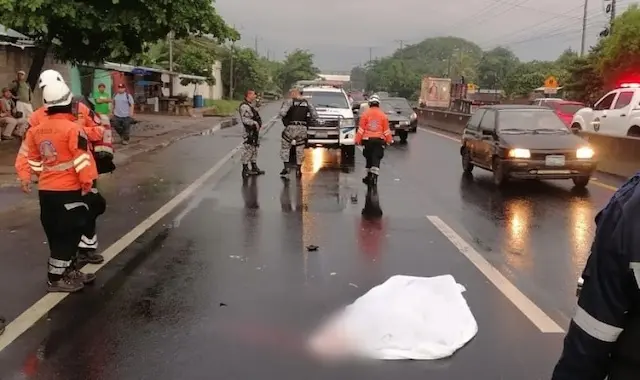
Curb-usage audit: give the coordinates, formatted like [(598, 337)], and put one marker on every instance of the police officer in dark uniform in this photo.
[(252, 124), (297, 114), (603, 340)]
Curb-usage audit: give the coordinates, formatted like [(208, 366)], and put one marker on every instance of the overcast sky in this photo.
[(340, 32)]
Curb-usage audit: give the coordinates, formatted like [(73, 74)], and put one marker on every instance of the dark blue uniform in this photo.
[(604, 335)]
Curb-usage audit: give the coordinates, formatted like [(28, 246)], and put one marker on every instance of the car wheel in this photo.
[(499, 175), (348, 155), (467, 166), (581, 182), (404, 135)]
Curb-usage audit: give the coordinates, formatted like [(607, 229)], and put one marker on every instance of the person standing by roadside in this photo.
[(123, 110), (374, 134), (297, 114), (11, 121), (102, 100), (23, 94), (102, 150), (58, 149), (602, 339), (252, 123)]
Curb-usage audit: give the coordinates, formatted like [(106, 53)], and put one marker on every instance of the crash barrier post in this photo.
[(616, 155)]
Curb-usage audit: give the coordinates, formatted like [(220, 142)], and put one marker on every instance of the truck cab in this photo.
[(617, 113), (336, 128)]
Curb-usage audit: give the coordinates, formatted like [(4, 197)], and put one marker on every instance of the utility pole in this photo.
[(170, 37), (231, 53), (401, 42), (256, 45), (613, 15), (584, 28), (370, 54)]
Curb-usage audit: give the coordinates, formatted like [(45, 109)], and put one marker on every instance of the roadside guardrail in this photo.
[(616, 155)]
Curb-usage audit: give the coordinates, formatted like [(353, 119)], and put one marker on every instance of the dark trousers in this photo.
[(122, 125), (63, 215), (373, 153), (97, 206)]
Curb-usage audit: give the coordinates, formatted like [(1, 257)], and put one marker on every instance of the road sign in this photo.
[(551, 82), (551, 85)]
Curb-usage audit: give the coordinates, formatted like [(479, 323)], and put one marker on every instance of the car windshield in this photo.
[(568, 108), (357, 96), (322, 99), (533, 121), (400, 104), (388, 107)]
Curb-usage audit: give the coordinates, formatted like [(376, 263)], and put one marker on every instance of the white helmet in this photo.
[(49, 76), (374, 99), (56, 94)]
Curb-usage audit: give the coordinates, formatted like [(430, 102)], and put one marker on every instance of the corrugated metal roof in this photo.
[(6, 32), (129, 69)]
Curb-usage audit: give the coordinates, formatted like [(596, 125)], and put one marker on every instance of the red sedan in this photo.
[(565, 110)]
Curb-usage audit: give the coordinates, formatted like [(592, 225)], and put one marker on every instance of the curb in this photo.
[(122, 159)]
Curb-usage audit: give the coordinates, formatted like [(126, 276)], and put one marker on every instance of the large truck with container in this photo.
[(435, 92)]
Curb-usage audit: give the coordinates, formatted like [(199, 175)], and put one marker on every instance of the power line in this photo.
[(530, 27)]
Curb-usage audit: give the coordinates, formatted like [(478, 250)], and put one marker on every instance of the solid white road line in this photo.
[(538, 317), (38, 310)]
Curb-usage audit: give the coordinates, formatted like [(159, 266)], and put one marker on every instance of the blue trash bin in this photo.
[(198, 101)]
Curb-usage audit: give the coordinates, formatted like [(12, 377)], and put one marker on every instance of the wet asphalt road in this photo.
[(225, 288)]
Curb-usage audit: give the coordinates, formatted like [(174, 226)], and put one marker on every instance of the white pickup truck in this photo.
[(617, 113), (336, 127)]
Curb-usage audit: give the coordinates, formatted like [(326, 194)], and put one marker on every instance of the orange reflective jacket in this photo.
[(86, 118), (374, 123), (59, 153)]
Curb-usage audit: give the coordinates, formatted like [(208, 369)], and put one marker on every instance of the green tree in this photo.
[(298, 65), (584, 82), (621, 50), (249, 71), (495, 67), (401, 73), (358, 78), (91, 31)]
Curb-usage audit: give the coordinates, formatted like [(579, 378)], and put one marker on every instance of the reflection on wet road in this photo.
[(232, 290)]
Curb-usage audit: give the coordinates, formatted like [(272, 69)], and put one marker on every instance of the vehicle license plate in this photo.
[(321, 135), (554, 161)]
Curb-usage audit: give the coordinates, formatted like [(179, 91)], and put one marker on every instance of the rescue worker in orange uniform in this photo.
[(101, 146), (374, 134), (58, 149)]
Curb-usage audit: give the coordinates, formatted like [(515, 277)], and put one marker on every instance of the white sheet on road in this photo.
[(420, 318)]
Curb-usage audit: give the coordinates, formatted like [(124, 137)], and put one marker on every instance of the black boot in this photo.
[(256, 169), (246, 172), (285, 172), (374, 180), (367, 179), (299, 171)]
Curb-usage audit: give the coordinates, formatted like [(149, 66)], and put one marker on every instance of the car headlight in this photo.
[(584, 153), (404, 123), (519, 153), (346, 123), (414, 116)]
